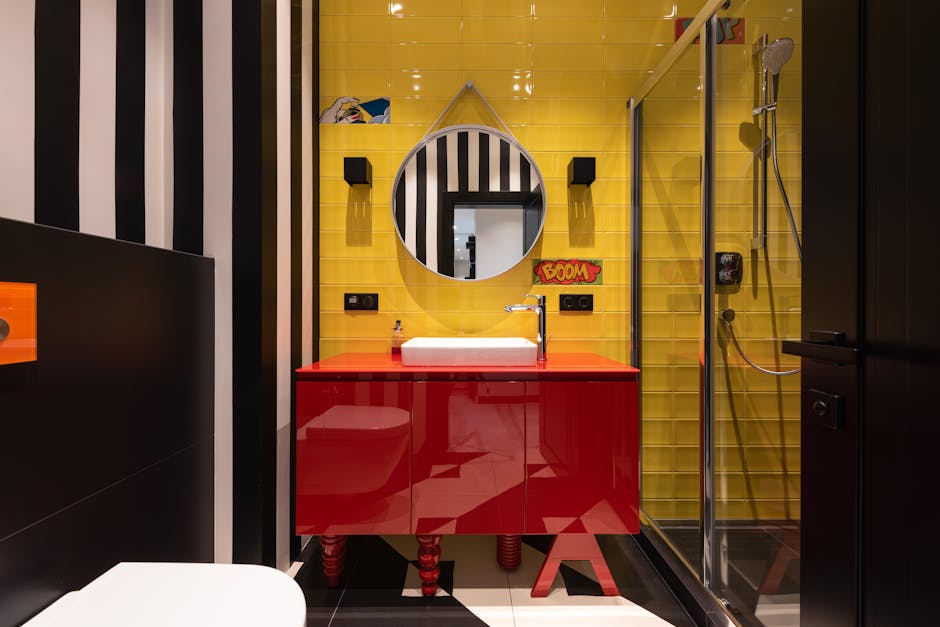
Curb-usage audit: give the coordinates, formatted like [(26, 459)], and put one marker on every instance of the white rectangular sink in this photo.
[(468, 351)]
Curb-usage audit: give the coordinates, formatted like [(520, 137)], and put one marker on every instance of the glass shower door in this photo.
[(756, 405), (720, 402), (671, 295)]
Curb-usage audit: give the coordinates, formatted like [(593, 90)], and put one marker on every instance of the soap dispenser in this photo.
[(397, 338)]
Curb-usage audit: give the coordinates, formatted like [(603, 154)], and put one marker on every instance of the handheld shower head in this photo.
[(776, 54)]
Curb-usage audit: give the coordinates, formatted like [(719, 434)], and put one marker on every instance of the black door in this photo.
[(871, 323), (832, 278)]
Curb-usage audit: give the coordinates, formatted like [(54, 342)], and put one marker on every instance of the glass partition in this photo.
[(757, 412), (717, 223), (671, 291)]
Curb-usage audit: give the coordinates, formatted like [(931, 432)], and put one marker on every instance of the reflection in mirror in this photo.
[(488, 239), (468, 202)]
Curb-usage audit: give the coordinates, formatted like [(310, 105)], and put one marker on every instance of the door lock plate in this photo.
[(825, 410)]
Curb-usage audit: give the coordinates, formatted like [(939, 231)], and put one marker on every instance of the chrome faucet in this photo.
[(540, 310)]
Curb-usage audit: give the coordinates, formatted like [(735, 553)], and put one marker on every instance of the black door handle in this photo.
[(823, 346)]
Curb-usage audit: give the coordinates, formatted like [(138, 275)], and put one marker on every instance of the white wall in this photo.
[(283, 283), (17, 108), (217, 242), (158, 124), (96, 128)]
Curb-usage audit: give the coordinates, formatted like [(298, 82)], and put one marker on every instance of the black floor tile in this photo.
[(751, 552), (638, 580), (371, 589)]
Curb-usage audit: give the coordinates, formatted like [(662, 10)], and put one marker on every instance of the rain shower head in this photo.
[(776, 54)]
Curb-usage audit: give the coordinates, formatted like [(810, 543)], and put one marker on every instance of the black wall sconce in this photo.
[(357, 171), (581, 171)]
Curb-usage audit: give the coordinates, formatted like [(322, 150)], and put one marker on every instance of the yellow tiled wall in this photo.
[(757, 426), (671, 292), (559, 74), (758, 415)]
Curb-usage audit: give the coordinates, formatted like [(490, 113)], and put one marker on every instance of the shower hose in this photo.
[(727, 315)]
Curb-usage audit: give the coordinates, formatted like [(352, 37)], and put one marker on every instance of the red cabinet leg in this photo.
[(508, 551), (429, 562), (574, 546), (334, 558)]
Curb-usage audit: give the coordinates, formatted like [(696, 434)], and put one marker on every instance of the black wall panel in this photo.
[(108, 437), (254, 283)]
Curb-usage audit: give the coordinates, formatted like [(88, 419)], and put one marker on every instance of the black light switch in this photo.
[(361, 302)]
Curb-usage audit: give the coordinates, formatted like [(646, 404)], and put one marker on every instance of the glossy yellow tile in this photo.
[(333, 347), (425, 30), (496, 30), (495, 8), (362, 84), (647, 8), (569, 138), (658, 458), (361, 56), (425, 8), (362, 28), (568, 30), (791, 9), (639, 31), (340, 325), (622, 84), (632, 57), (569, 57), (555, 84), (354, 272), (353, 7), (673, 111), (566, 8), (421, 56), (496, 56), (440, 85)]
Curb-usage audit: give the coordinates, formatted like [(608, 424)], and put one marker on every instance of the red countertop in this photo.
[(385, 367)]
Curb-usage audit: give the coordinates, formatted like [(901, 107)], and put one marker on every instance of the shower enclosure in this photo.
[(715, 288)]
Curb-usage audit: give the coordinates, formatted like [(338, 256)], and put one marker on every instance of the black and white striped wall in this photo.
[(153, 122)]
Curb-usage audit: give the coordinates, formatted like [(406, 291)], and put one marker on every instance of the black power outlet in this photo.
[(576, 302), (360, 302)]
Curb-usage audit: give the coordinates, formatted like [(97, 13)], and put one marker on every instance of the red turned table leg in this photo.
[(334, 558), (574, 546), (429, 563), (508, 551)]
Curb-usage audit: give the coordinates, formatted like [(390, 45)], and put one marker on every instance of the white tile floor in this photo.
[(503, 599)]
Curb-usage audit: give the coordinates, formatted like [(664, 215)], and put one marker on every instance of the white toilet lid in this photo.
[(146, 594)]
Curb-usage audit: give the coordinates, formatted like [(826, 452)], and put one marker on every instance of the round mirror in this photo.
[(468, 202)]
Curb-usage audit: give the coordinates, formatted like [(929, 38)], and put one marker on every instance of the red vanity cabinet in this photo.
[(353, 450), (468, 457), (550, 448), (582, 470)]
